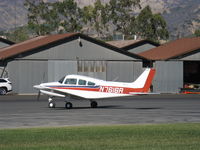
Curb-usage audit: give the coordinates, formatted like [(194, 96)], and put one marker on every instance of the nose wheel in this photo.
[(51, 104)]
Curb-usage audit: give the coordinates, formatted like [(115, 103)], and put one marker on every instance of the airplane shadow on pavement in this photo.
[(110, 107)]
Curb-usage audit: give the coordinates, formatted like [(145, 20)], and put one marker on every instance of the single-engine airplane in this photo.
[(93, 89)]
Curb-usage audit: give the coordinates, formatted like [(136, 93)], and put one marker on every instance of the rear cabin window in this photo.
[(91, 83), (82, 82), (71, 81)]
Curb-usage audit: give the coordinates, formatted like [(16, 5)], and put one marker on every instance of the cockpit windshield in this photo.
[(61, 80)]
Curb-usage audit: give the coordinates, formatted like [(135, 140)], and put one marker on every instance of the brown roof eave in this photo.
[(43, 41), (19, 49), (181, 55)]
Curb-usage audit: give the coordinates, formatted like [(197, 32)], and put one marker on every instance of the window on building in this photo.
[(91, 66)]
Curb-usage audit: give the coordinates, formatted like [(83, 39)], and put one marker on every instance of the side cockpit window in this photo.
[(71, 81), (82, 82), (90, 83)]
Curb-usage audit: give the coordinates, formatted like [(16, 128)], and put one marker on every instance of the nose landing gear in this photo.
[(51, 104)]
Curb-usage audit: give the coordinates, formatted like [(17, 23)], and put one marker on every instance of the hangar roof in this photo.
[(127, 44), (41, 41), (6, 41), (173, 50)]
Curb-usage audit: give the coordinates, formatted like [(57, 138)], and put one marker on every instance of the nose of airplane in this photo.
[(37, 86)]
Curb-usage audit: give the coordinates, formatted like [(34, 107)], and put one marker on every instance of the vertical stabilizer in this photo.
[(144, 80)]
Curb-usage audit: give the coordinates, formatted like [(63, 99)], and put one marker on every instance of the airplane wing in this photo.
[(55, 92), (52, 93)]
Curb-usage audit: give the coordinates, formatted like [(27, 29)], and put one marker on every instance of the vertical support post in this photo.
[(4, 64)]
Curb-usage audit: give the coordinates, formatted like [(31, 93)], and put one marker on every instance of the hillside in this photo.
[(182, 16), (12, 13)]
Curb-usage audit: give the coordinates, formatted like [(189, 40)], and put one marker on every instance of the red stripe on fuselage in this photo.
[(104, 89)]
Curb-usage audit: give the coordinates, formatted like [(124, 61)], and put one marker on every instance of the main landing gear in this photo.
[(93, 104), (68, 105)]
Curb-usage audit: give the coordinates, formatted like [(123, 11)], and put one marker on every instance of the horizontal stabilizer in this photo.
[(143, 93)]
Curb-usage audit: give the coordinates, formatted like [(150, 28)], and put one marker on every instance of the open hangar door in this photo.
[(192, 74)]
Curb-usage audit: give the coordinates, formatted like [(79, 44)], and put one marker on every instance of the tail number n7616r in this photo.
[(108, 89)]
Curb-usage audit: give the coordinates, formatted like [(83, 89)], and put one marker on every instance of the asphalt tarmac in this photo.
[(25, 111)]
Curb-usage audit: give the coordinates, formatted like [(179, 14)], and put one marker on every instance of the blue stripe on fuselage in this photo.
[(64, 86)]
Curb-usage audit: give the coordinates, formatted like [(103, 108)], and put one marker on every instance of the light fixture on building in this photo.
[(79, 41)]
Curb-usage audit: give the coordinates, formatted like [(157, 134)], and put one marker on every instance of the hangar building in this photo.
[(177, 64), (48, 58)]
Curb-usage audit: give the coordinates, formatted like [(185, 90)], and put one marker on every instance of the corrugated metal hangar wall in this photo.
[(169, 76), (29, 72)]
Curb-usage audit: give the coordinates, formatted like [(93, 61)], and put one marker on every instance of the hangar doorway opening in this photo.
[(191, 74)]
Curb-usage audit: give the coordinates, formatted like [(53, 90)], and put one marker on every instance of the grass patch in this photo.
[(139, 137)]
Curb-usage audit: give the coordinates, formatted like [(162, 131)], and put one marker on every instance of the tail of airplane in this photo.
[(144, 80)]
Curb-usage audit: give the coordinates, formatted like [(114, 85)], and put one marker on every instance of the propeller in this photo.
[(38, 96), (39, 92)]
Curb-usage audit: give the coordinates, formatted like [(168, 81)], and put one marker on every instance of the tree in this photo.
[(38, 14), (47, 18), (151, 26), (18, 35), (96, 18), (70, 16), (103, 19), (197, 33), (122, 16)]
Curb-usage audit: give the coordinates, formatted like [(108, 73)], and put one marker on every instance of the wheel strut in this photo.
[(51, 104)]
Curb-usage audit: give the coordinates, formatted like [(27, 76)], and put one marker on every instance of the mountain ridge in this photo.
[(182, 17)]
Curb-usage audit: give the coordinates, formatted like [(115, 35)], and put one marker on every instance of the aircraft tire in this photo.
[(52, 105), (93, 104), (68, 105)]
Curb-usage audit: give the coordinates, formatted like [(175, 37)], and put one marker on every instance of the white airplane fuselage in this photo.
[(91, 88)]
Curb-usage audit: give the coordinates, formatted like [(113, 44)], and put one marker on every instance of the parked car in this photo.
[(5, 86)]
